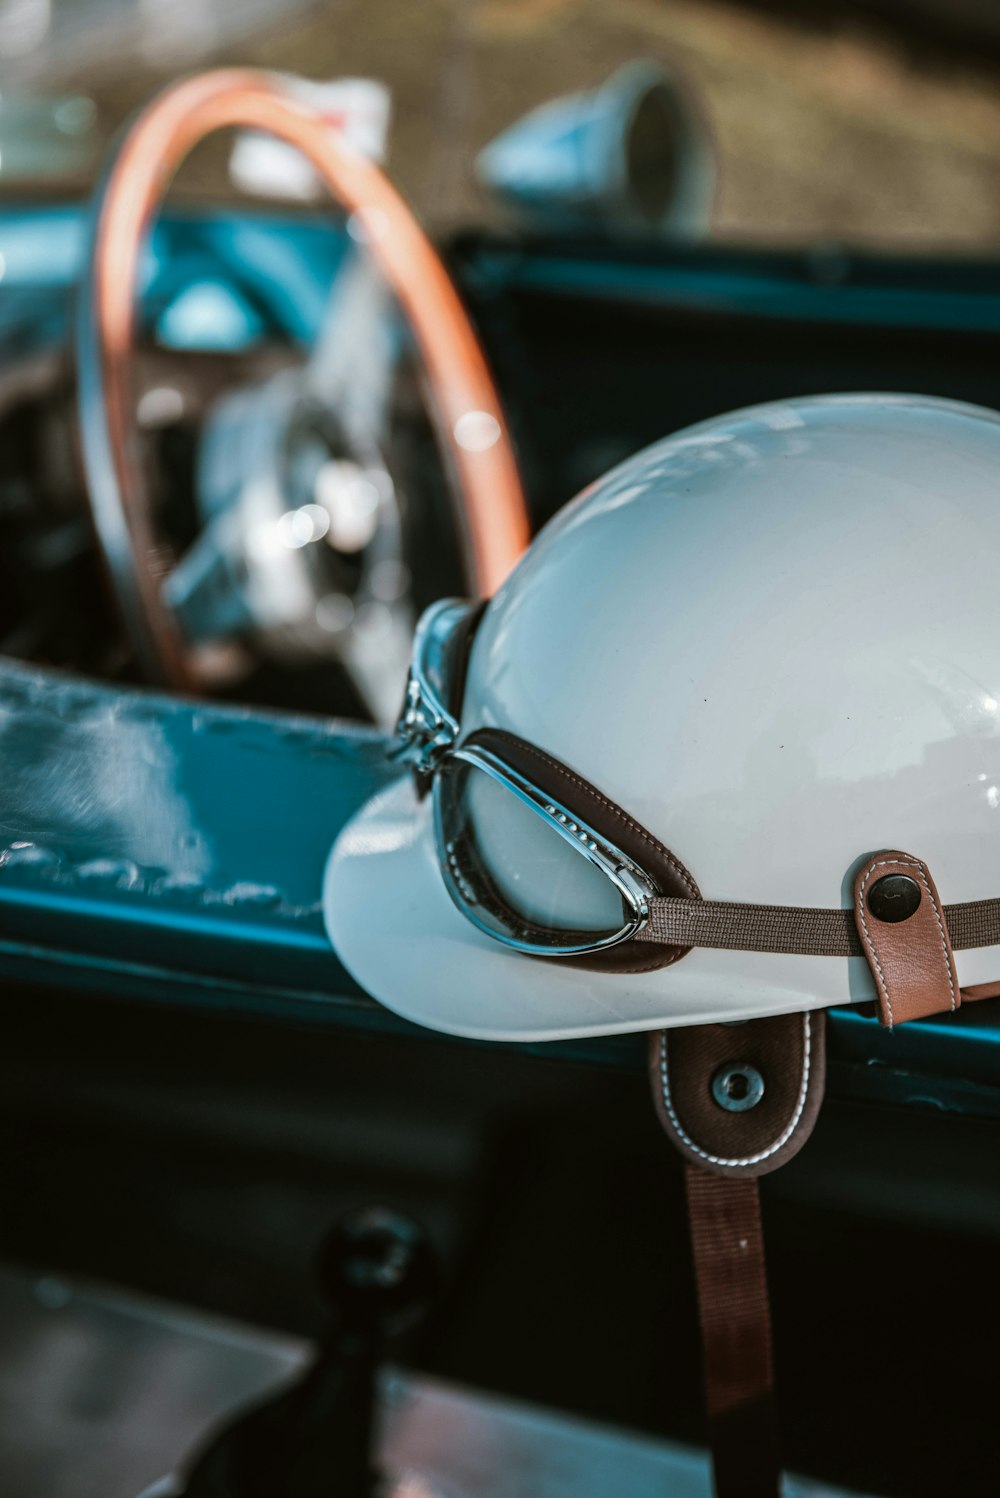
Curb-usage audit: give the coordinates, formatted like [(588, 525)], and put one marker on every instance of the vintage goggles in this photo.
[(541, 860), (529, 852)]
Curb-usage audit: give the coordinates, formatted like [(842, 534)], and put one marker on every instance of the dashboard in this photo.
[(597, 350), (169, 990)]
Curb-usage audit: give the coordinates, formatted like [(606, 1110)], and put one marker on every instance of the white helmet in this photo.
[(728, 672)]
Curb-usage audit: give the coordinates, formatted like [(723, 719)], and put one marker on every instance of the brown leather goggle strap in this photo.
[(911, 955), (725, 1151)]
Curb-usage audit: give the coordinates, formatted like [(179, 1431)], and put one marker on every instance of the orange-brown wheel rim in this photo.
[(494, 524)]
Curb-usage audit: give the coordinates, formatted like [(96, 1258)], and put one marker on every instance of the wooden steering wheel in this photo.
[(488, 501)]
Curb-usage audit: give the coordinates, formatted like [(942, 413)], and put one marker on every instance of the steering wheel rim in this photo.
[(491, 511)]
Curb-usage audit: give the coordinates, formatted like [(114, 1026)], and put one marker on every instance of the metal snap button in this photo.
[(894, 898), (737, 1086)]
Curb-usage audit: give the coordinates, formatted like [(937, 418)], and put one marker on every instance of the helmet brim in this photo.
[(396, 930)]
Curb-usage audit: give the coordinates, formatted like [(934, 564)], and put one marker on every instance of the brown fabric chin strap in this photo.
[(729, 1136), (727, 1245), (739, 1100)]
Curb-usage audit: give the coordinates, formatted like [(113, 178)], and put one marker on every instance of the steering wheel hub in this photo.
[(268, 564)]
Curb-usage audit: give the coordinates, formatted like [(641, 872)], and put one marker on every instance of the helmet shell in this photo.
[(774, 639)]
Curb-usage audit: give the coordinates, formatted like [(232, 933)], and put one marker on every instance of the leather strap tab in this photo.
[(908, 949), (784, 1054), (733, 1309)]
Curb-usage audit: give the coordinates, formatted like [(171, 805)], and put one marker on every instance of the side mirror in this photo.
[(631, 158)]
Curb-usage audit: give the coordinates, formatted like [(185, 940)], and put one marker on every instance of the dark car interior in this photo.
[(193, 1138)]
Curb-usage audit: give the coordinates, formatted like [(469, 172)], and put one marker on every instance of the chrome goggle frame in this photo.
[(428, 736), (426, 729)]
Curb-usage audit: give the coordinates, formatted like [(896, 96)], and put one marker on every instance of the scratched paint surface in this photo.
[(152, 830), (159, 849)]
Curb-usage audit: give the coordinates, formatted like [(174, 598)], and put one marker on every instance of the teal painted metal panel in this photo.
[(172, 851)]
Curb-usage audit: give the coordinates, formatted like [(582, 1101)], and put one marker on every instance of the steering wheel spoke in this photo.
[(302, 524), (353, 366)]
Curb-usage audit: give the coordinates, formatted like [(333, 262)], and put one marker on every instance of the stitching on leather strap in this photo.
[(903, 863), (868, 939), (762, 1155), (902, 957), (941, 933)]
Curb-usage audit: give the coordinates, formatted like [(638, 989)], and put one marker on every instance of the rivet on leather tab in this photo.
[(780, 1059), (905, 938)]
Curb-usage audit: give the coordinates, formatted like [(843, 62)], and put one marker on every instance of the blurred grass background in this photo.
[(827, 127)]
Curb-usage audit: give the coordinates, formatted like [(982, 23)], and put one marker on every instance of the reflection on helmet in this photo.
[(772, 640)]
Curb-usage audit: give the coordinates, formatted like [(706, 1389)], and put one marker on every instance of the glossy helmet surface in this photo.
[(773, 639)]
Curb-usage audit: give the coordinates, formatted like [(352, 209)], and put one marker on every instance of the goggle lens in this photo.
[(512, 871)]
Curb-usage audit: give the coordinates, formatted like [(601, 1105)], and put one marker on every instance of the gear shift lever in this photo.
[(315, 1439)]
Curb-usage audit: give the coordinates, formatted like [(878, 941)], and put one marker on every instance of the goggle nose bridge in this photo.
[(425, 730), (428, 723)]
